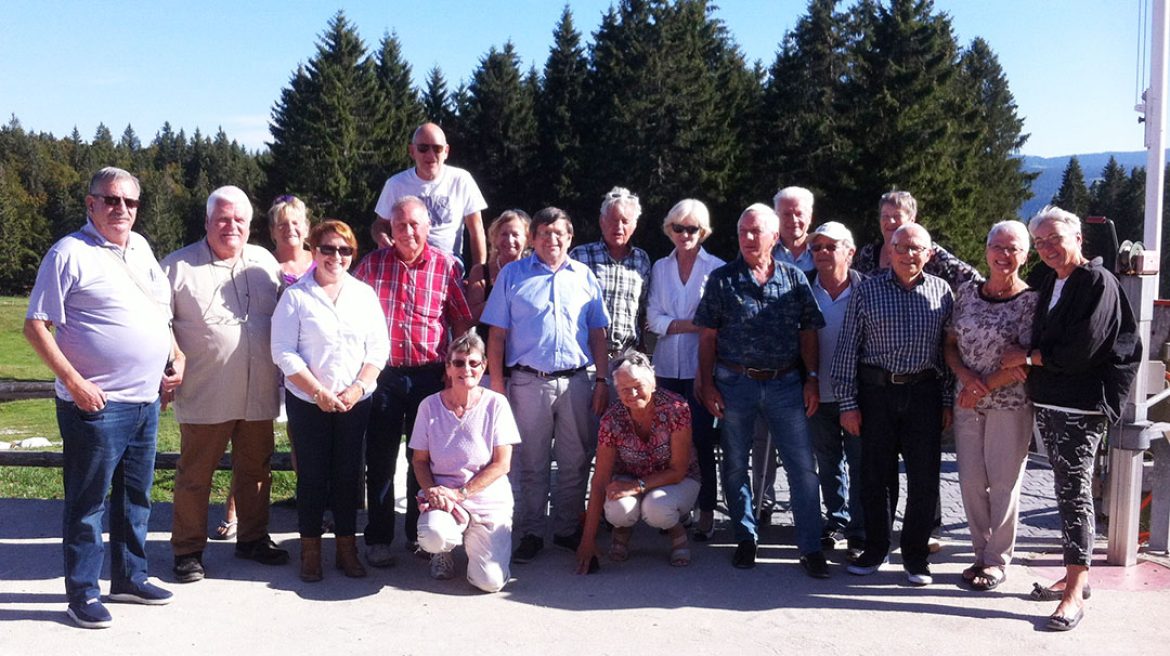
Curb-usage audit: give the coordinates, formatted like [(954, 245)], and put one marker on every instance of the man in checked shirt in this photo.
[(894, 390), (622, 269), (421, 292)]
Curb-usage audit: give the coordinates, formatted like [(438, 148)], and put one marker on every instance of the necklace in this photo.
[(1000, 293)]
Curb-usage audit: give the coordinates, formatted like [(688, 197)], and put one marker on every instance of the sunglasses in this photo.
[(344, 251), (286, 198), (613, 195), (426, 148), (679, 229), (460, 363), (817, 248), (112, 201)]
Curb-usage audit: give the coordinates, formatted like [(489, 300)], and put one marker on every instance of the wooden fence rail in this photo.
[(281, 461)]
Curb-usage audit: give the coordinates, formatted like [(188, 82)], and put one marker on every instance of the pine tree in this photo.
[(499, 129), (436, 101), (1073, 195), (560, 112), (399, 112)]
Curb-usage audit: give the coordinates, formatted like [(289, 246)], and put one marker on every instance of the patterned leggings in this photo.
[(1072, 440)]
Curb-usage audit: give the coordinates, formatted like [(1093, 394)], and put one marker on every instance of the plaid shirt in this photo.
[(624, 286), (897, 329), (420, 301)]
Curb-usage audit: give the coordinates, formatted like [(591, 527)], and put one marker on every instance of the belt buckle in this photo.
[(901, 379), (756, 374)]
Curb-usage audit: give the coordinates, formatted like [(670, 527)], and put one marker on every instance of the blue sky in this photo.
[(1072, 64)]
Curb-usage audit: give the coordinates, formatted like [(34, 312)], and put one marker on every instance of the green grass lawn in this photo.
[(37, 418), (17, 359)]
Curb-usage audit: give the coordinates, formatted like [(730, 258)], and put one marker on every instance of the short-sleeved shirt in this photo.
[(106, 327), (450, 197), (637, 457), (420, 300), (460, 447), (759, 325), (223, 324), (625, 285), (893, 328), (834, 311), (984, 328), (332, 338), (548, 314)]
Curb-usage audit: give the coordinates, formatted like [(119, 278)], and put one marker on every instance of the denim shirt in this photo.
[(758, 325)]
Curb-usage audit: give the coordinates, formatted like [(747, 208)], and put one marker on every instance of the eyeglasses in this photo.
[(112, 201), (904, 249), (285, 198), (460, 363), (817, 248), (689, 229), (426, 148), (1006, 250), (344, 251)]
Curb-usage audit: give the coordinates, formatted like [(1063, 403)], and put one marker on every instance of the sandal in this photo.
[(619, 547), (1042, 593), (1064, 622), (706, 526), (988, 579), (680, 553), (972, 572), (225, 531)]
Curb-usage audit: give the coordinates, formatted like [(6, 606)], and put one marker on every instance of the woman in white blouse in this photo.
[(676, 285), (329, 339)]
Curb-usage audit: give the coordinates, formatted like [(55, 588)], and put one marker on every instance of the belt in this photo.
[(563, 373), (878, 377), (405, 371), (756, 374)]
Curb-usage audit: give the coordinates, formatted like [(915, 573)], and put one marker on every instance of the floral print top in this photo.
[(639, 458), (983, 328)]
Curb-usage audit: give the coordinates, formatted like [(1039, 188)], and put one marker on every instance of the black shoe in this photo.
[(815, 565), (832, 539), (263, 551), (745, 555), (530, 545), (570, 541), (189, 567), (867, 563), (855, 548)]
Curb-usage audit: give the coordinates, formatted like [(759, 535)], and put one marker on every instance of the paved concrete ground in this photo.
[(642, 606)]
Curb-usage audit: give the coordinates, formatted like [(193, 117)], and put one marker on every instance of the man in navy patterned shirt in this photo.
[(759, 325), (894, 390)]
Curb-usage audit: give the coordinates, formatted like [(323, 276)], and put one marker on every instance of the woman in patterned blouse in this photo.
[(993, 417), (645, 466)]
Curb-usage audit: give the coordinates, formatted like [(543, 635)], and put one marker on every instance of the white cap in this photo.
[(835, 231)]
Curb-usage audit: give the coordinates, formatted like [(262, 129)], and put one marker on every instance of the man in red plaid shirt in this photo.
[(421, 292)]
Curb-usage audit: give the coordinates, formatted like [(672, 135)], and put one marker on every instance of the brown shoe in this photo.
[(347, 557), (310, 559)]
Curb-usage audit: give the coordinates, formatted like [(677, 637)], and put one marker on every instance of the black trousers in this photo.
[(903, 420)]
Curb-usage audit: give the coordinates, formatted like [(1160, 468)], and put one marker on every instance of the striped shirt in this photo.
[(420, 300), (624, 286), (894, 328)]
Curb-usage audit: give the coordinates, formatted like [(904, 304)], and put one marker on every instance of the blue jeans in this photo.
[(111, 450), (329, 464), (781, 403), (838, 457)]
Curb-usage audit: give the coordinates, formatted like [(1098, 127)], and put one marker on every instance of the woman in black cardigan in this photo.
[(1084, 356)]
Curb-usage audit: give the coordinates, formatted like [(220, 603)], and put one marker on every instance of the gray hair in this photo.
[(109, 175), (769, 214), (1055, 214), (624, 200), (468, 342), (901, 200), (799, 194), (692, 208), (230, 194), (399, 206), (635, 363), (907, 228), (1011, 227)]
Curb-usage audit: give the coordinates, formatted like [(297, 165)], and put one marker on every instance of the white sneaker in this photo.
[(443, 566)]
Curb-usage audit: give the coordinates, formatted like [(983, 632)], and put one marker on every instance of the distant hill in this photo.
[(1046, 185)]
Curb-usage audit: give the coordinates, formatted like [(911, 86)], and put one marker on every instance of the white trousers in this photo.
[(661, 507), (487, 541)]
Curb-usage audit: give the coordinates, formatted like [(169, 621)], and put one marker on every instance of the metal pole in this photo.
[(1125, 464)]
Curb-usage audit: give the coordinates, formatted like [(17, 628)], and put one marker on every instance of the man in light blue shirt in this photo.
[(548, 322)]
